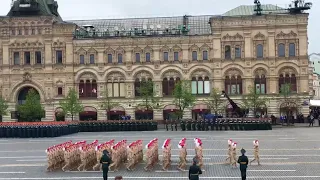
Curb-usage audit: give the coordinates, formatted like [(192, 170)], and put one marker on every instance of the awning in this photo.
[(118, 108), (170, 107), (200, 107), (315, 103), (87, 108)]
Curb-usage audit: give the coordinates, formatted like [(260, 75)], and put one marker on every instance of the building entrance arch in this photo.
[(22, 95)]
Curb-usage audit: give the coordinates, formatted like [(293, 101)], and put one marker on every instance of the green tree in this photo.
[(32, 109), (183, 97), (3, 107), (71, 104), (215, 101), (254, 101), (107, 102), (147, 94), (290, 101)]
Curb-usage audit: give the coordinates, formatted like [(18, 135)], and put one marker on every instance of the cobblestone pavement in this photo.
[(286, 153)]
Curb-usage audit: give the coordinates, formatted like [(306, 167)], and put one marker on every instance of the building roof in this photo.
[(198, 25), (37, 8), (248, 10)]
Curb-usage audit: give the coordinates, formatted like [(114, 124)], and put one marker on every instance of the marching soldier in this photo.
[(149, 156), (131, 155), (115, 157), (166, 155), (51, 158), (182, 155), (234, 155), (243, 161), (98, 157), (229, 151), (199, 153), (256, 152)]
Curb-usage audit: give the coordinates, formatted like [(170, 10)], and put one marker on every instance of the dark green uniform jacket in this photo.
[(105, 161), (243, 161), (194, 172)]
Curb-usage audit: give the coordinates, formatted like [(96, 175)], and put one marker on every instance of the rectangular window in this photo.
[(59, 90), (148, 58), (207, 87), (194, 56), (176, 56), (120, 58), (26, 32), (200, 87), (122, 89), (237, 52), (292, 50), (27, 58), (13, 32), (227, 52), (205, 55), (16, 58), (81, 59), (116, 89), (59, 57), (194, 88), (38, 58), (166, 56), (137, 57), (110, 58), (33, 32), (91, 58)]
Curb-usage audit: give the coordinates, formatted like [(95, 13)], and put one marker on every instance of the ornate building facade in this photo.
[(232, 52)]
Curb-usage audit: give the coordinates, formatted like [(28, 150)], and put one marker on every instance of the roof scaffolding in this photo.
[(141, 27)]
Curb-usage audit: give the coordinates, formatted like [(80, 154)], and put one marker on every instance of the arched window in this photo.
[(138, 84), (281, 50), (168, 86), (194, 56), (81, 59), (81, 88), (233, 85), (116, 88), (227, 52), (259, 51), (200, 85), (292, 50), (260, 84), (88, 89), (288, 79), (237, 52)]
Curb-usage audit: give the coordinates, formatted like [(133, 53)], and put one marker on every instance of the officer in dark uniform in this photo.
[(105, 161), (194, 170), (243, 161)]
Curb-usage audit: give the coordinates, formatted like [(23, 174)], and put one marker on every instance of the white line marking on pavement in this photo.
[(34, 160), (21, 151), (272, 170), (150, 177), (12, 172), (22, 165), (43, 140), (287, 138), (21, 157), (167, 171)]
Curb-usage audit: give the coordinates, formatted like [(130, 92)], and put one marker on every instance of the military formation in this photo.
[(81, 156)]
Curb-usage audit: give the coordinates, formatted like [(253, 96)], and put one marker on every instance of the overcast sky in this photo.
[(98, 9)]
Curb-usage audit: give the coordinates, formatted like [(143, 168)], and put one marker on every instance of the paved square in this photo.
[(286, 153)]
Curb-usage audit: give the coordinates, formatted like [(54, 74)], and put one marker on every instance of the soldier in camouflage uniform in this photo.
[(99, 149), (256, 152), (229, 151), (166, 161), (199, 153), (234, 159), (116, 159), (182, 154), (149, 156)]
